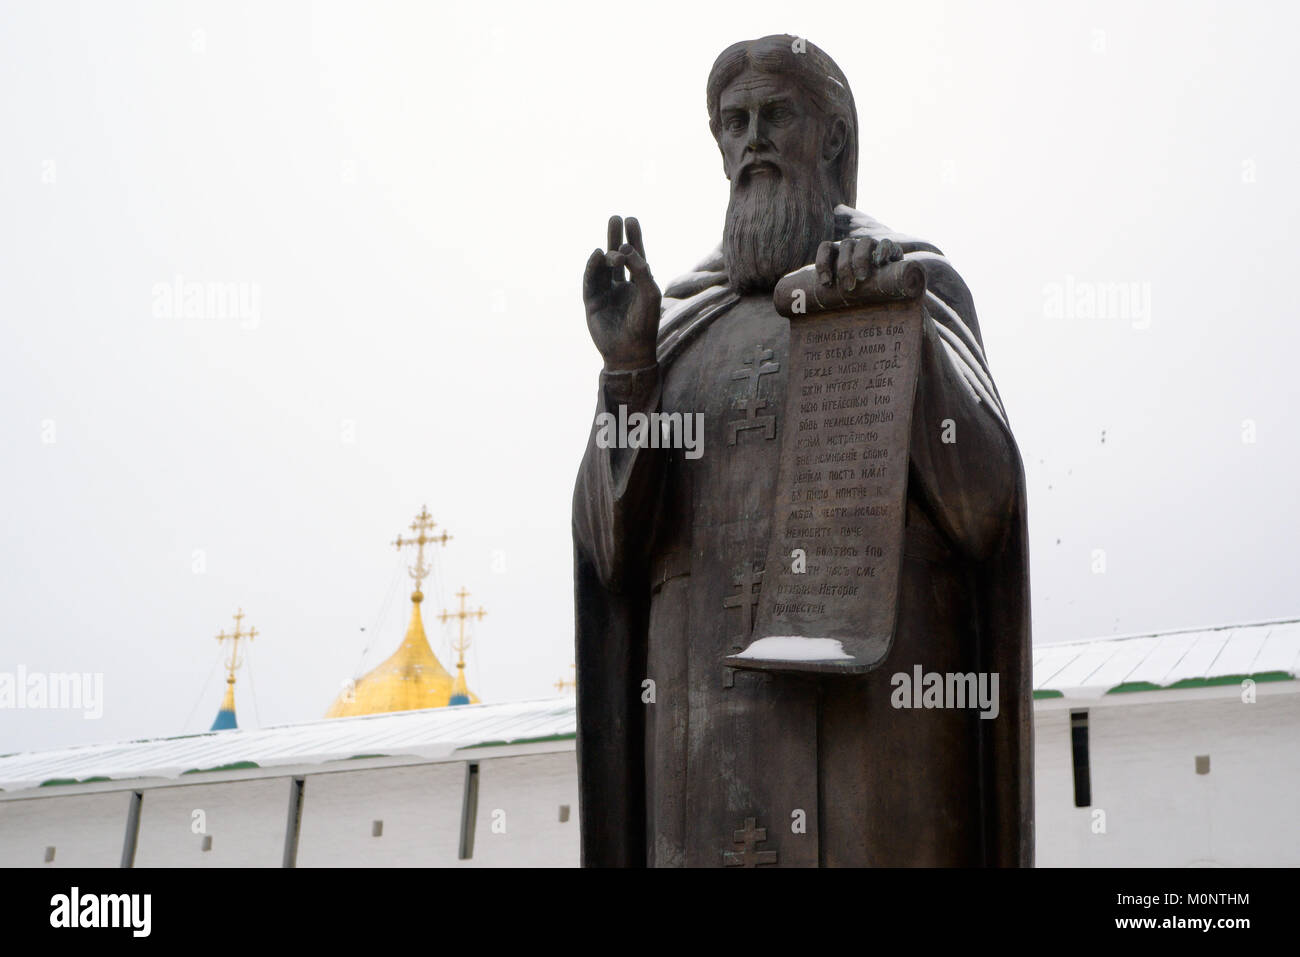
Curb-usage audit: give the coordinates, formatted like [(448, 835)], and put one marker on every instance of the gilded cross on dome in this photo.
[(226, 714), (423, 526), (563, 684), (234, 638), (460, 691)]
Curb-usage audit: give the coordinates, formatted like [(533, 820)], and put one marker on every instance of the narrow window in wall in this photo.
[(132, 837), (1079, 751), (49, 855), (469, 812), (293, 825)]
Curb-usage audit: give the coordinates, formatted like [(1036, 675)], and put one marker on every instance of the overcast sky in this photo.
[(405, 194)]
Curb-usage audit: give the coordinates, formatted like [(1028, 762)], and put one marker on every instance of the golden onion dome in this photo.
[(412, 678)]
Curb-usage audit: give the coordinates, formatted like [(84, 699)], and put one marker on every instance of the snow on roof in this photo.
[(434, 733), (1083, 669), (1268, 651)]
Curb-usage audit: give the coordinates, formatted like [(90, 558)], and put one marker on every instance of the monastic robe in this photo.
[(684, 761)]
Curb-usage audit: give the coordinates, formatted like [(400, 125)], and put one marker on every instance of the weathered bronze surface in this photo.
[(688, 754)]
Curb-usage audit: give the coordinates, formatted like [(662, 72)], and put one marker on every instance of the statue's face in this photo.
[(769, 129), (777, 152)]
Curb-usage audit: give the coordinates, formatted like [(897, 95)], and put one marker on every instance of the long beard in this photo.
[(774, 226)]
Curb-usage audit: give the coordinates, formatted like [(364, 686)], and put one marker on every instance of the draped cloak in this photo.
[(677, 753)]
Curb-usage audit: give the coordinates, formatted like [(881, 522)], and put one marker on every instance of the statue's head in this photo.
[(784, 120)]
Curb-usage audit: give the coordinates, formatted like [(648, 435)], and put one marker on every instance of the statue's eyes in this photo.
[(778, 114), (735, 123)]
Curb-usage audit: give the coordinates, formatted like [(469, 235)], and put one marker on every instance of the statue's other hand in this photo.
[(622, 315), (851, 261)]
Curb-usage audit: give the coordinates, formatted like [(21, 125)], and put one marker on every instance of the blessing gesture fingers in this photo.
[(622, 313)]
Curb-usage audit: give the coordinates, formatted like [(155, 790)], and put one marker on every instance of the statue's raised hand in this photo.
[(622, 315)]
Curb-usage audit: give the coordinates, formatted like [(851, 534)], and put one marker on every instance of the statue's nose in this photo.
[(757, 135)]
